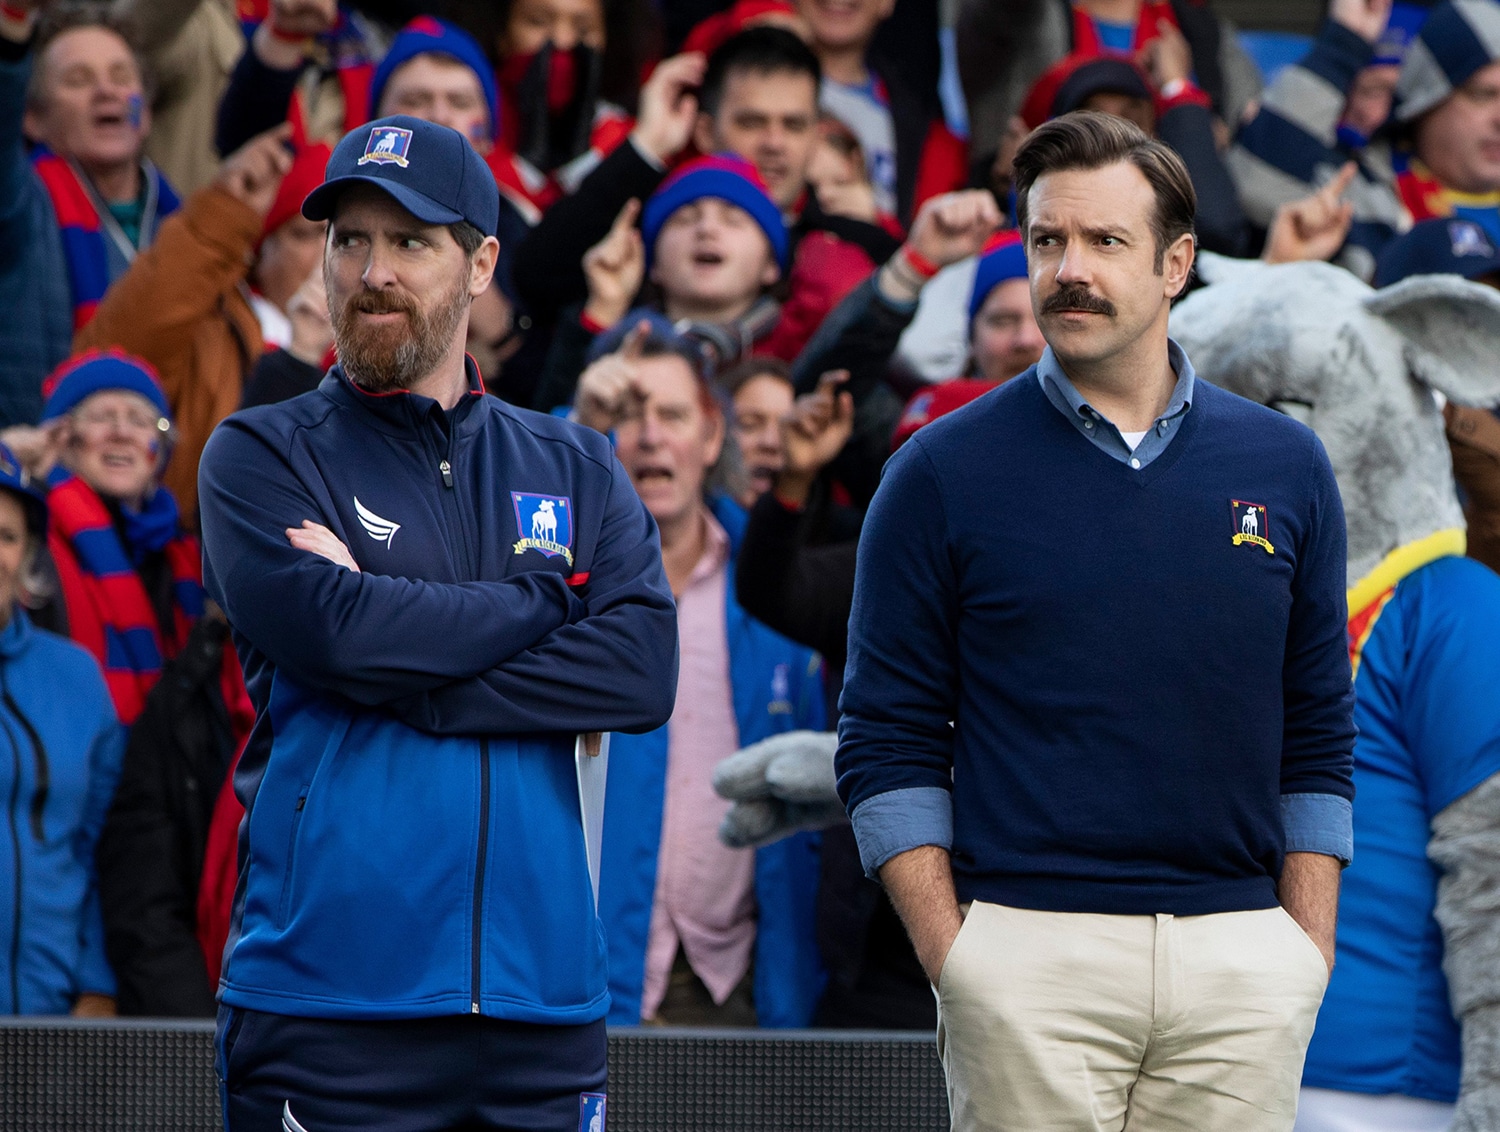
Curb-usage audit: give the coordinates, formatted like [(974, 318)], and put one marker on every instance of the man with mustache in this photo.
[(433, 595), (1097, 724)]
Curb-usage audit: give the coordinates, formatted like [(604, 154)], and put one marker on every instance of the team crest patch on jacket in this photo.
[(1252, 525), (591, 1108), (387, 146), (545, 523)]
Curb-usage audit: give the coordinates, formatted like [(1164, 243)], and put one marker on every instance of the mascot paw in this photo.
[(760, 821), (796, 766)]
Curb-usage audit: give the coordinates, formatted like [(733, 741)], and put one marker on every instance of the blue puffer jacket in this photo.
[(414, 845), (60, 754), (776, 686)]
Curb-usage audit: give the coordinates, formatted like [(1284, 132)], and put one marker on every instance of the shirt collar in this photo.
[(1049, 371), (715, 551)]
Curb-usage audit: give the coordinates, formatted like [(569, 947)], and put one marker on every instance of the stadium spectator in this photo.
[(862, 332), (699, 934), (909, 152), (839, 178), (190, 47), (1162, 99), (1004, 47), (183, 307), (310, 62), (1438, 156), (151, 852), (758, 99), (1004, 339), (290, 247), (1460, 247), (129, 587), (75, 210), (65, 756), (712, 244), (760, 395), (300, 365)]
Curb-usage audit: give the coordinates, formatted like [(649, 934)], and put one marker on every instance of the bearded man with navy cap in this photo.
[(433, 595)]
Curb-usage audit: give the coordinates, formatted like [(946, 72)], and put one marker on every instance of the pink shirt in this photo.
[(705, 892)]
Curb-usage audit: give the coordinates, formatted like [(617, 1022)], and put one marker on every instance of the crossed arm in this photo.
[(526, 654)]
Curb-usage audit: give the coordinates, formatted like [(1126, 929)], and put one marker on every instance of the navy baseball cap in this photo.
[(430, 170), (1438, 247)]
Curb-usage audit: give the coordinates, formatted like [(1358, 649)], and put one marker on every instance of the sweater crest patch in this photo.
[(1252, 525)]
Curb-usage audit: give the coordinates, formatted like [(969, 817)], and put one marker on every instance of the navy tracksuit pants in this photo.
[(285, 1074)]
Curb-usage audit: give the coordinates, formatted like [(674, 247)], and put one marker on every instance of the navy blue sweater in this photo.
[(1132, 688)]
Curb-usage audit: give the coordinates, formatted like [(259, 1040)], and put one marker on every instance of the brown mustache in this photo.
[(1077, 297), (380, 302)]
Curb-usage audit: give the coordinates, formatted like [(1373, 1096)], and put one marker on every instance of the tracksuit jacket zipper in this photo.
[(445, 468)]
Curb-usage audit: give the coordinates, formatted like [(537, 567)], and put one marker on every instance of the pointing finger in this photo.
[(635, 341)]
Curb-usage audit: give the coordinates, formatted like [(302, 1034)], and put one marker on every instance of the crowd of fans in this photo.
[(740, 238)]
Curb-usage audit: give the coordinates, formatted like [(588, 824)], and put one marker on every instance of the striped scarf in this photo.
[(82, 228), (109, 612)]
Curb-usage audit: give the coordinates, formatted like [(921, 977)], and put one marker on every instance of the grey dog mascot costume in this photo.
[(1413, 1007)]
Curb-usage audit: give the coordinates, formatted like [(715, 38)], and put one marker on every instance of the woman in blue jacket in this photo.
[(60, 750)]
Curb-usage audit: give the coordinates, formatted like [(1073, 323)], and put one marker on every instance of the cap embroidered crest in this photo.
[(387, 146), (545, 523), (1251, 524)]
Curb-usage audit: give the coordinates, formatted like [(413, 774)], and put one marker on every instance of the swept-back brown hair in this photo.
[(1087, 139)]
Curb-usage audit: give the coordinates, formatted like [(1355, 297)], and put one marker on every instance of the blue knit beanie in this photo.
[(427, 35), (1003, 258), (726, 177), (1458, 38), (95, 372)]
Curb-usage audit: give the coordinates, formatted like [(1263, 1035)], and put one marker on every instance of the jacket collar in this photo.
[(16, 635), (401, 410)]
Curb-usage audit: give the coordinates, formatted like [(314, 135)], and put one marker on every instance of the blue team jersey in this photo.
[(1429, 732)]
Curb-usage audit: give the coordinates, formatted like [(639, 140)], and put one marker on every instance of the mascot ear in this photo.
[(1452, 332), (1214, 268)]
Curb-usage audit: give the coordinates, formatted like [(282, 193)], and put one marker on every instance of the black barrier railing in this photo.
[(67, 1075)]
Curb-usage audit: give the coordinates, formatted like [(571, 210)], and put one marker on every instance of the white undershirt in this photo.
[(1134, 438)]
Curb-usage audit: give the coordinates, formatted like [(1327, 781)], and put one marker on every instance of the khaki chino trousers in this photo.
[(1071, 1022)]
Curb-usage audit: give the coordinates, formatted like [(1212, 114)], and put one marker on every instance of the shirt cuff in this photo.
[(1318, 823), (891, 823)]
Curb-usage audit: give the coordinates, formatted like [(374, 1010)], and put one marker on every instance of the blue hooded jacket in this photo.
[(413, 845), (776, 686), (60, 754)]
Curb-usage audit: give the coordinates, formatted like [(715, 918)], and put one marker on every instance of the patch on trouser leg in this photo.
[(591, 1108)]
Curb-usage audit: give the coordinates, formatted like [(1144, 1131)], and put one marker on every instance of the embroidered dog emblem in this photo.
[(544, 523), (1251, 525), (388, 145)]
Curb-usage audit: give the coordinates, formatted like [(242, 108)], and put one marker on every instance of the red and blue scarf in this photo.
[(109, 612), (82, 229)]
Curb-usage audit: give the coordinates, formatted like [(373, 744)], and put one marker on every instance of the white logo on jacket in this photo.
[(381, 530)]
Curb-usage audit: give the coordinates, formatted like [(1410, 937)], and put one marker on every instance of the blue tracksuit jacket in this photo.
[(413, 844), (776, 687)]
